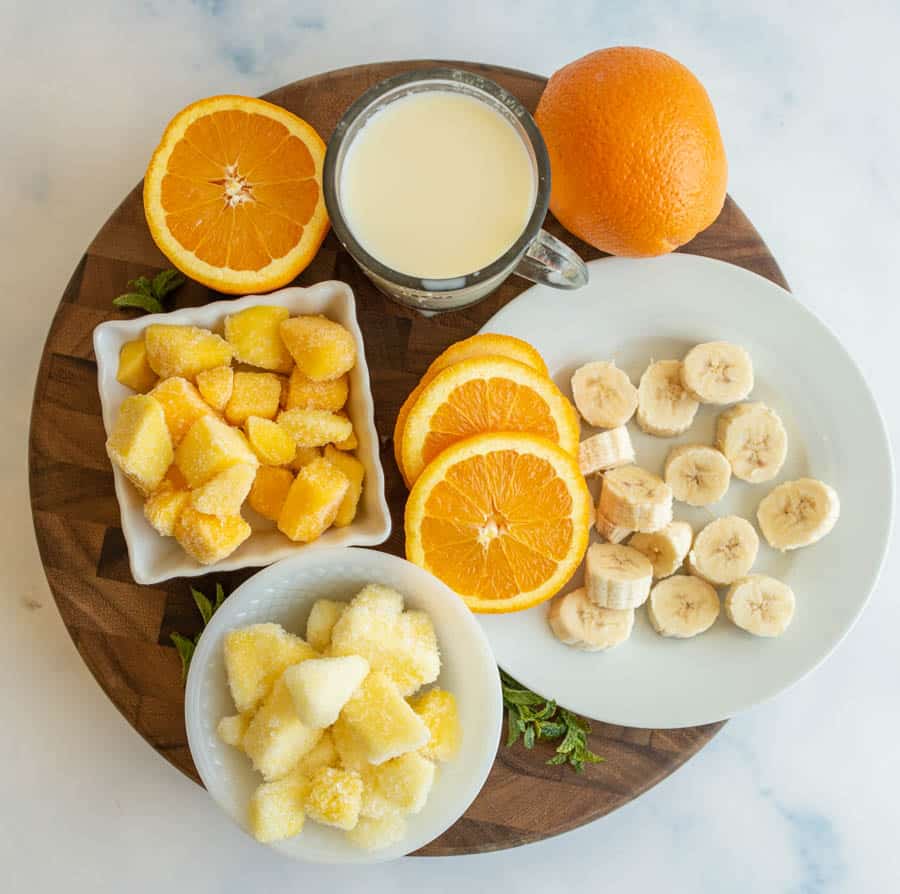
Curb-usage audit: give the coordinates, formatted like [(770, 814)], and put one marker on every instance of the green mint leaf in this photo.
[(513, 728), (220, 598), (139, 300), (547, 729), (185, 648), (521, 697), (570, 740), (546, 712), (203, 605), (166, 281), (141, 284), (557, 759), (528, 737)]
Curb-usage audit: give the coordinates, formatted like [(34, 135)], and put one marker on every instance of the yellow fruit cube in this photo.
[(256, 656), (140, 443), (334, 797), (134, 370), (374, 804), (209, 538), (231, 729), (414, 659), (315, 428), (269, 491), (255, 337), (321, 348), (307, 394), (184, 350), (377, 834), (164, 506), (173, 480), (322, 686), (209, 447), (379, 598), (351, 753), (224, 494), (322, 754), (182, 404), (215, 386), (303, 457), (437, 708), (253, 394), (313, 501), (322, 618), (276, 808), (355, 472), (351, 442), (271, 442), (405, 781), (276, 739)]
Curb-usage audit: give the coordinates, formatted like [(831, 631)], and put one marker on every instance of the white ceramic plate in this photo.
[(284, 593), (153, 558), (635, 311)]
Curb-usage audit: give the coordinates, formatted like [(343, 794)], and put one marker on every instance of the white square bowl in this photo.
[(153, 558)]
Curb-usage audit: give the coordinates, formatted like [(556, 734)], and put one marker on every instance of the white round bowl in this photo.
[(284, 593)]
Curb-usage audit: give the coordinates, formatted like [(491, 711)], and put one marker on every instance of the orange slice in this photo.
[(502, 519), (233, 194), (484, 394)]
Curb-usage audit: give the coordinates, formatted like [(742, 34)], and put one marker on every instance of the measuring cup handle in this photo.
[(551, 262)]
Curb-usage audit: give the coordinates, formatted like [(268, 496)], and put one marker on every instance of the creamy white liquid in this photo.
[(437, 184)]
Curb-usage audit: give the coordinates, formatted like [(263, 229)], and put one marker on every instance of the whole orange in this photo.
[(636, 158)]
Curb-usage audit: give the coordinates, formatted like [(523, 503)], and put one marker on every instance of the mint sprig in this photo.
[(184, 645), (150, 294)]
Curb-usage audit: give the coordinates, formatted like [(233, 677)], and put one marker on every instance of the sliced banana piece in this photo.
[(698, 475), (616, 576), (760, 604), (665, 408), (603, 394), (798, 513), (717, 372), (724, 551), (610, 532), (578, 622), (633, 498), (682, 606), (666, 549), (753, 439), (607, 450)]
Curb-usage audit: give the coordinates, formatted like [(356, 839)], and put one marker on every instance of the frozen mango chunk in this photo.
[(322, 754), (313, 501), (271, 442), (334, 797), (134, 370), (215, 386), (437, 708), (209, 447), (405, 781), (231, 729), (253, 394), (163, 507), (355, 472), (254, 335), (321, 348), (322, 618), (140, 443), (182, 404), (303, 392), (209, 538), (224, 494), (269, 491), (184, 350), (377, 834), (315, 428), (276, 808), (303, 457), (320, 687), (351, 442)]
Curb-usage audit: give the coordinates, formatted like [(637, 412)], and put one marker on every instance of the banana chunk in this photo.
[(616, 576), (603, 394), (666, 549), (607, 450), (682, 606), (609, 531), (665, 408), (798, 513), (753, 439), (578, 622), (760, 604), (724, 551), (717, 372), (633, 498), (698, 475)]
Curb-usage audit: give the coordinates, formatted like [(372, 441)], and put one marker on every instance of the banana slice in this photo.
[(760, 605), (753, 439), (633, 498), (717, 372), (798, 513), (607, 450), (682, 606), (578, 622), (698, 475), (616, 576), (665, 408), (603, 394), (724, 551), (666, 549), (609, 531)]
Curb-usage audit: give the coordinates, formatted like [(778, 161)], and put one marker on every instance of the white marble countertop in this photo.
[(799, 795)]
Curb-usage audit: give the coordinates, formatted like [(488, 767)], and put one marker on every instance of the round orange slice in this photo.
[(502, 519), (233, 194)]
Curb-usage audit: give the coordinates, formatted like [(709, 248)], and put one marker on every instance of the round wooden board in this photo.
[(122, 629)]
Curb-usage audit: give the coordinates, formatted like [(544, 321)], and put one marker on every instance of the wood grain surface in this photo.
[(122, 630)]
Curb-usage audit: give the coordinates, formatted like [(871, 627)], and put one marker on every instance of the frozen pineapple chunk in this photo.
[(256, 656), (271, 442), (303, 457), (182, 404), (315, 428), (134, 371), (163, 507), (322, 618), (276, 808), (140, 443), (269, 491), (383, 724), (355, 472), (253, 394), (210, 447), (374, 804), (351, 442), (184, 350), (377, 834), (322, 754), (334, 797), (231, 729), (224, 494), (303, 392), (414, 659), (405, 781), (321, 348), (313, 501), (320, 687), (276, 738), (437, 708), (209, 538), (379, 598), (254, 335), (215, 386)]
